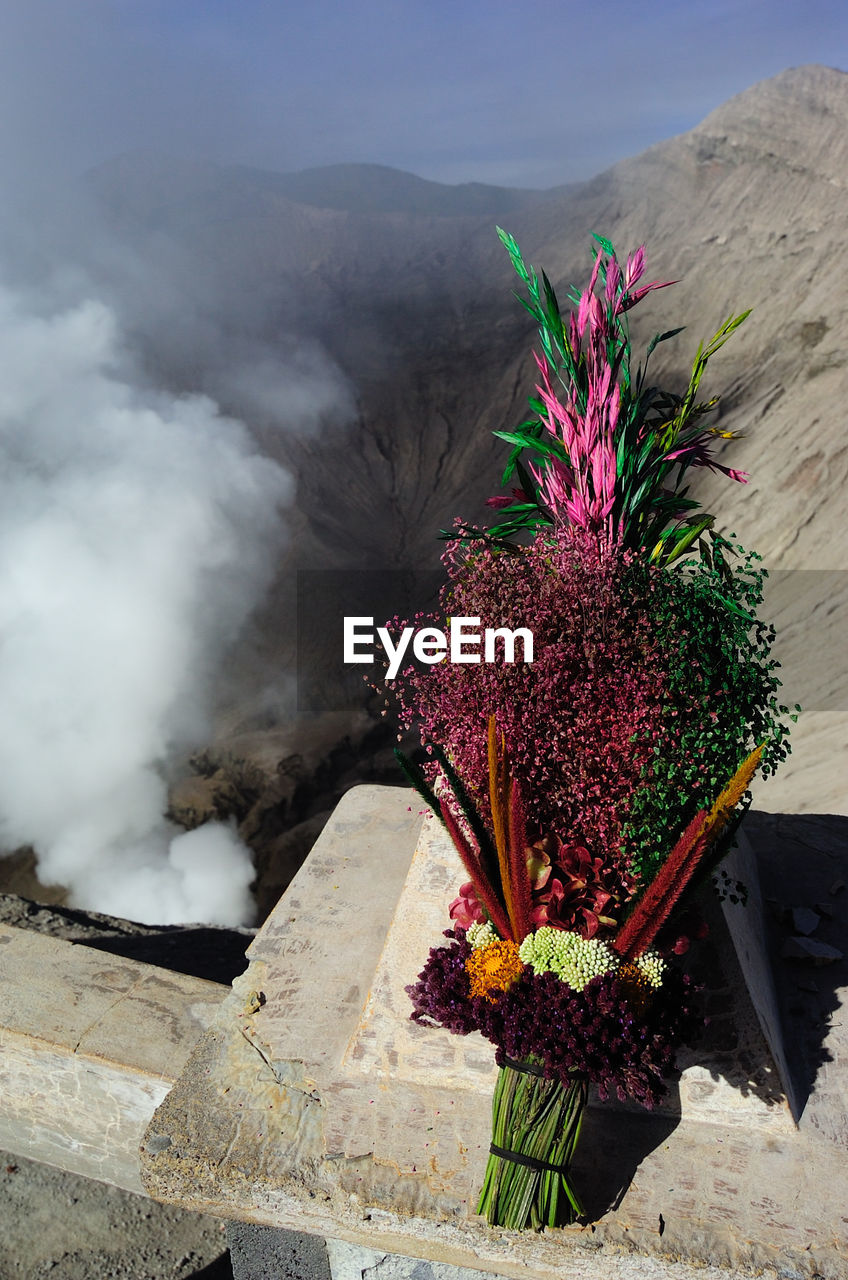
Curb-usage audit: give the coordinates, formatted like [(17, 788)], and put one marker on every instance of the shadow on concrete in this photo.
[(732, 1046), (613, 1144), (773, 1046), (802, 860), (220, 1269), (200, 950)]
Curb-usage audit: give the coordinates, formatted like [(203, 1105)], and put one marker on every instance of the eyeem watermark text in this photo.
[(461, 643)]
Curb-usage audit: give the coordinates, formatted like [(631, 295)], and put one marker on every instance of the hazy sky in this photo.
[(489, 90)]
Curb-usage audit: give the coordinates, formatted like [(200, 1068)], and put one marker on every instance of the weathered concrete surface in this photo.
[(89, 1045), (276, 1120), (357, 1262)]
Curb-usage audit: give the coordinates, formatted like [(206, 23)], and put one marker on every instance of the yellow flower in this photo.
[(493, 969)]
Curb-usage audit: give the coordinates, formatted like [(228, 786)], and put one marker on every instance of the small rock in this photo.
[(809, 985), (158, 1142), (810, 949), (805, 920), (836, 887), (825, 909)]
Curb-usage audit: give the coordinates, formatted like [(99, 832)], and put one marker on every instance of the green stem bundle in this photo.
[(539, 1121)]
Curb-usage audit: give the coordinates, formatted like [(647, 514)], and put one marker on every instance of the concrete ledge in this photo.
[(728, 1079), (90, 1044), (279, 1120)]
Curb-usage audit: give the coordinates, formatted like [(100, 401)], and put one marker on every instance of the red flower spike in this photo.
[(518, 871), (656, 904), (471, 862), (654, 907), (499, 801)]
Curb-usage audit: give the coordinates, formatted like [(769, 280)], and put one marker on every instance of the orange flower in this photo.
[(492, 969)]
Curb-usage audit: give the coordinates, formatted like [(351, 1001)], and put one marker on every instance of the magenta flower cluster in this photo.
[(582, 486)]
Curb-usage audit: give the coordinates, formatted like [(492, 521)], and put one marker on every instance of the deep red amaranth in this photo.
[(581, 722)]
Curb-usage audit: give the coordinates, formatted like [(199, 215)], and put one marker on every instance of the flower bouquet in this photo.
[(591, 790)]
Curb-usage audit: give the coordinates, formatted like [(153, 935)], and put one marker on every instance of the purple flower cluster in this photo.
[(597, 1032), (442, 994)]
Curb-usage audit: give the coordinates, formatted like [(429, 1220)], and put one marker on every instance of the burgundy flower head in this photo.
[(576, 891), (466, 909)]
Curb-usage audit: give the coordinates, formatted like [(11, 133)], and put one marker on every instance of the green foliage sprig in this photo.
[(721, 698)]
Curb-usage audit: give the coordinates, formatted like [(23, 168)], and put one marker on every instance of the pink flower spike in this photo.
[(635, 267), (542, 365), (742, 476), (697, 454), (594, 278), (583, 312), (628, 300), (574, 336), (613, 279)]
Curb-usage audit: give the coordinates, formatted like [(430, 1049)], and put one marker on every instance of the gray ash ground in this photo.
[(69, 1228)]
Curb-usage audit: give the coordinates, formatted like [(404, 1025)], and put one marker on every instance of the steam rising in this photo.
[(137, 531)]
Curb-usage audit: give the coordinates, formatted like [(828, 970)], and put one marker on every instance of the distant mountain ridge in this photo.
[(129, 181), (373, 188)]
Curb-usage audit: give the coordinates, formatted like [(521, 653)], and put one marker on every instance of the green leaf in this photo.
[(686, 537), (735, 608), (545, 448), (514, 252), (514, 437), (553, 312), (535, 311), (516, 507), (662, 337), (487, 851), (525, 479), (419, 782), (605, 244)]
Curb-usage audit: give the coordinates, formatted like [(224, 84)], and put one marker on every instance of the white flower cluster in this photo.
[(653, 967), (480, 935), (574, 959)]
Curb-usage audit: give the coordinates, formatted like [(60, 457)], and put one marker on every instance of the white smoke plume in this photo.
[(137, 531)]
